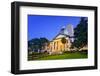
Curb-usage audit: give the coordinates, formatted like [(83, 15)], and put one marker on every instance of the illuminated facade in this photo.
[(56, 45)]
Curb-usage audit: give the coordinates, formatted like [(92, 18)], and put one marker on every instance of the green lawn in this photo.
[(64, 56), (75, 55)]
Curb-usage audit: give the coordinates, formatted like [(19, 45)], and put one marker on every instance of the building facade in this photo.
[(57, 45)]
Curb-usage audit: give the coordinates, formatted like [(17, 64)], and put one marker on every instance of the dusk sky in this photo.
[(48, 26)]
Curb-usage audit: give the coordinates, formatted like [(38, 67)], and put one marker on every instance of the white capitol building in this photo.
[(56, 45)]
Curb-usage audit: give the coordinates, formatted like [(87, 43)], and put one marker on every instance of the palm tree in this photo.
[(63, 40)]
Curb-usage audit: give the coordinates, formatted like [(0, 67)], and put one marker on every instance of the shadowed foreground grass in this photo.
[(75, 55)]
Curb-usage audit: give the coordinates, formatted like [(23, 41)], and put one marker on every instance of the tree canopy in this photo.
[(80, 33), (63, 40), (37, 43)]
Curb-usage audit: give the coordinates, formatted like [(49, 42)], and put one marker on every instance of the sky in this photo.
[(48, 26)]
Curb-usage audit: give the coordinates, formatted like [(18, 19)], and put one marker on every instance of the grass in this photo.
[(64, 56), (75, 55)]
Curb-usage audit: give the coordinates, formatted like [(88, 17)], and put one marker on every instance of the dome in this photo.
[(63, 31)]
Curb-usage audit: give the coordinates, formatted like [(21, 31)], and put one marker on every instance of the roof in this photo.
[(63, 33), (60, 34)]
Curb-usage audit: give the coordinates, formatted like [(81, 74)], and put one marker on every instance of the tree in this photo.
[(63, 40), (37, 44), (43, 42), (80, 33), (34, 44)]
